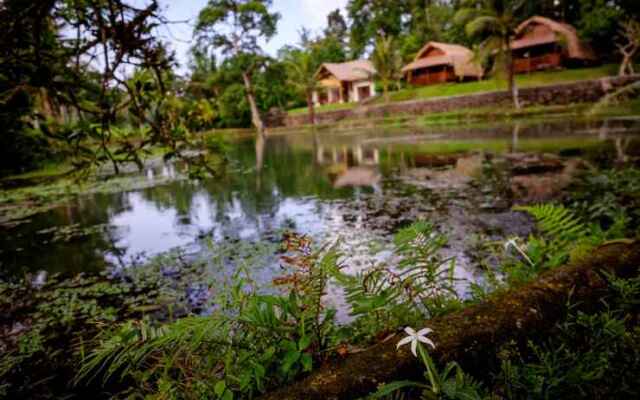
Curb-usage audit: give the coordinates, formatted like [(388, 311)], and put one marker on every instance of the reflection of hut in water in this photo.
[(349, 156), (350, 166)]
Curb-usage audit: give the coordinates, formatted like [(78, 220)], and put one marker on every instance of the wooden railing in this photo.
[(522, 65)]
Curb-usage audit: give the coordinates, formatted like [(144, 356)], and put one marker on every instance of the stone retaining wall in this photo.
[(562, 94)]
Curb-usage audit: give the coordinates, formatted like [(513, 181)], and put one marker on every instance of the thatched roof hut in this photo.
[(442, 62), (350, 71), (342, 82), (542, 43)]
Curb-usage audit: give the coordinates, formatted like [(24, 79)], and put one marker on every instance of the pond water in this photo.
[(358, 186)]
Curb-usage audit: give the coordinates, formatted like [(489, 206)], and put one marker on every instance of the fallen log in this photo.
[(472, 336)]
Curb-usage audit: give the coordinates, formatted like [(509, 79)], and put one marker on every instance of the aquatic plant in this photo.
[(249, 343)]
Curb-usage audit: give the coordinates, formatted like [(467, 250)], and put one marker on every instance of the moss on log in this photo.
[(473, 335)]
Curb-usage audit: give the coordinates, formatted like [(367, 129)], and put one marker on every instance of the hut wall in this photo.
[(550, 60), (432, 75)]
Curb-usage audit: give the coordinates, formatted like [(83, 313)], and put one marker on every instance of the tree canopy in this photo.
[(80, 79)]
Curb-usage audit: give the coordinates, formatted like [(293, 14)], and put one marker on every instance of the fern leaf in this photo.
[(556, 222)]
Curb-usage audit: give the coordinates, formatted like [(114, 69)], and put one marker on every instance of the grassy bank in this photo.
[(482, 116), (488, 85), (324, 108), (493, 84)]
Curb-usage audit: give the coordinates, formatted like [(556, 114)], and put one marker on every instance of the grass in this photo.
[(489, 85), (48, 170)]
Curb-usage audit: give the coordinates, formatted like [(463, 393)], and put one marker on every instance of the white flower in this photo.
[(513, 243), (415, 337)]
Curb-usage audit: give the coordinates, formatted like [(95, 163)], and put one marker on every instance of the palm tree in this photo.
[(495, 21), (387, 62), (302, 76)]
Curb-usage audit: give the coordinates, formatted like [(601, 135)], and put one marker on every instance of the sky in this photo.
[(295, 14)]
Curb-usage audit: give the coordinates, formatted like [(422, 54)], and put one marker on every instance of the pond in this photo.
[(354, 186)]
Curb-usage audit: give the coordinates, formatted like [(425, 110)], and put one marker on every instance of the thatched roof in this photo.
[(540, 30), (351, 71), (459, 57)]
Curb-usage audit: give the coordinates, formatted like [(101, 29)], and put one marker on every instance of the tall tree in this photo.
[(387, 62), (235, 27), (598, 22), (302, 68), (495, 21), (629, 46), (337, 26), (371, 18)]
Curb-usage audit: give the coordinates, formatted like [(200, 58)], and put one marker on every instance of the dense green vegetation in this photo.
[(96, 114)]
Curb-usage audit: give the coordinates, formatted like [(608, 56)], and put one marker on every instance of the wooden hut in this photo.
[(345, 82), (442, 62), (542, 43)]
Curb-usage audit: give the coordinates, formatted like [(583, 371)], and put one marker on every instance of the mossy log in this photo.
[(473, 336)]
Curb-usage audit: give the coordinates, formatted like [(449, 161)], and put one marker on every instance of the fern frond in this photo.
[(556, 222), (137, 342)]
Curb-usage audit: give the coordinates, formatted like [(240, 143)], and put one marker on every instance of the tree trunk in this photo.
[(513, 88), (255, 113), (312, 110), (626, 67), (385, 88), (473, 336)]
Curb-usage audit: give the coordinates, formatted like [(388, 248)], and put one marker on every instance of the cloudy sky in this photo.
[(312, 14)]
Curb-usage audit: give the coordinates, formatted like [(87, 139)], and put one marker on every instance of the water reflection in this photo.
[(313, 183)]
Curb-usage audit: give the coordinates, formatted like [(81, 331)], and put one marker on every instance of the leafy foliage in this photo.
[(422, 285), (556, 222), (611, 199), (247, 21), (590, 355), (495, 23), (252, 342), (387, 62)]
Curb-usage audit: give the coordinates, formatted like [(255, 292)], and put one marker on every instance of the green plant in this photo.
[(495, 22), (450, 383), (589, 355), (252, 341), (388, 63), (556, 222), (608, 198), (561, 231), (421, 285), (426, 277)]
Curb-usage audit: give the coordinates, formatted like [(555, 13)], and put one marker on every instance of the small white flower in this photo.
[(513, 243), (415, 337)]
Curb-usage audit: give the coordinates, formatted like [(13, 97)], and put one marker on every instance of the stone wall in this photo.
[(567, 93)]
